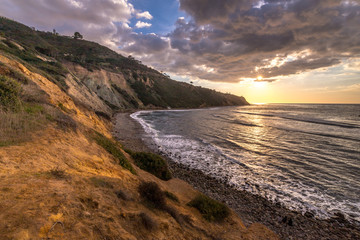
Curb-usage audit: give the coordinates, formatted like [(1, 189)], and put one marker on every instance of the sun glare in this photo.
[(258, 83)]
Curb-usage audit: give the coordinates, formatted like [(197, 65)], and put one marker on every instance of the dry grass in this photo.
[(100, 183), (17, 127), (124, 195), (57, 173), (149, 223)]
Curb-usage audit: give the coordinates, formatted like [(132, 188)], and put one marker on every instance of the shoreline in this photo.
[(250, 208)]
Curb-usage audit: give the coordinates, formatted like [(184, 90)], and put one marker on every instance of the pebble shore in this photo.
[(251, 208)]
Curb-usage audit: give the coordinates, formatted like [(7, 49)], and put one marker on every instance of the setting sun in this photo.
[(259, 84)]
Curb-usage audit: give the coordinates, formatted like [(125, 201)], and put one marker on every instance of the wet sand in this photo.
[(251, 208)]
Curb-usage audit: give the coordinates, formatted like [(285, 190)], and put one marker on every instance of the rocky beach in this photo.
[(251, 208)]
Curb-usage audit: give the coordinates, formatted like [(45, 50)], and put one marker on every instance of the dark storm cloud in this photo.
[(205, 11), (149, 43), (299, 65), (266, 80), (221, 40), (265, 42), (243, 39)]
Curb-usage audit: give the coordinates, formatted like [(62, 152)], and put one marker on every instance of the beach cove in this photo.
[(251, 208)]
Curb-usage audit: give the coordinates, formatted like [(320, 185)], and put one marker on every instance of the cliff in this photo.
[(64, 177)]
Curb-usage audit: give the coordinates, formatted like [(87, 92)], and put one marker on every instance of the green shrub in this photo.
[(14, 74), (112, 148), (9, 94), (155, 198), (171, 196), (62, 107), (210, 209), (128, 151), (33, 108), (153, 164), (10, 44), (152, 194), (103, 115)]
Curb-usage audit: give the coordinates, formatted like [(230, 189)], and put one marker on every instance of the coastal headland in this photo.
[(64, 176)]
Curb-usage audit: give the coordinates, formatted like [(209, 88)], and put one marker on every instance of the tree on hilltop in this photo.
[(77, 35)]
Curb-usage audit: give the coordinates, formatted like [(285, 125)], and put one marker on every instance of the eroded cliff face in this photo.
[(100, 90), (61, 184)]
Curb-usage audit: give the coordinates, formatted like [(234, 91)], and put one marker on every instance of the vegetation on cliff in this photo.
[(211, 210), (152, 163), (112, 147), (9, 93)]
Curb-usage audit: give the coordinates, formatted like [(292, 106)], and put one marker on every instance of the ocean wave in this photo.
[(319, 134), (306, 119)]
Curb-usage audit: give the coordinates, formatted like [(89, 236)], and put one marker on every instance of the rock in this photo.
[(309, 215), (290, 222), (339, 217)]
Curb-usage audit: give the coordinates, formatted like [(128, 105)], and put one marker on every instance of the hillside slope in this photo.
[(98, 77), (64, 177)]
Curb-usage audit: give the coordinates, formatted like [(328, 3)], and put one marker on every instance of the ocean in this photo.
[(304, 156)]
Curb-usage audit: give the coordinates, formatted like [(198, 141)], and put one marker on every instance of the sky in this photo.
[(269, 51)]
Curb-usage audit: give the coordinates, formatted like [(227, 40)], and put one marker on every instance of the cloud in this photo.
[(145, 44), (243, 39), (92, 18), (141, 24), (204, 11), (220, 40), (227, 41), (354, 65), (145, 15), (266, 80)]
